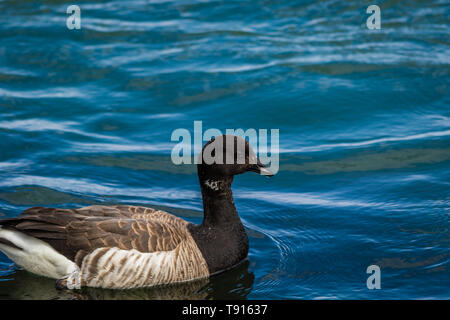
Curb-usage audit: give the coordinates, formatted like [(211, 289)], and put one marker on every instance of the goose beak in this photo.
[(261, 169)]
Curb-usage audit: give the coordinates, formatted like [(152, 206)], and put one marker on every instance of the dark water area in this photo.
[(86, 117)]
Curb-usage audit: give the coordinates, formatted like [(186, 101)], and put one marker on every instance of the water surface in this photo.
[(86, 118)]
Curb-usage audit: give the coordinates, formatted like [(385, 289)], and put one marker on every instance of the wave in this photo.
[(37, 125), (323, 147), (48, 93)]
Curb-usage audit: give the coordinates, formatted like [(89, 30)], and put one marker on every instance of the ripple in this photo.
[(156, 195), (322, 147), (140, 56), (292, 264), (12, 166), (391, 159), (113, 25), (49, 93), (6, 270), (37, 125), (119, 147), (295, 198)]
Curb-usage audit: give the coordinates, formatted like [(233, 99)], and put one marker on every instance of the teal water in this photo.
[(86, 118)]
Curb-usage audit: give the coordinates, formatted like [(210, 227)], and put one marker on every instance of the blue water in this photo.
[(364, 119)]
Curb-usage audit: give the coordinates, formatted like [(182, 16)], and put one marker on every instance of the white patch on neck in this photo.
[(214, 185)]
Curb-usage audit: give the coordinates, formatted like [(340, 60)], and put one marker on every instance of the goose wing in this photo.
[(77, 232)]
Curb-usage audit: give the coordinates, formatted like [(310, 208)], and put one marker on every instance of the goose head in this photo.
[(226, 156)]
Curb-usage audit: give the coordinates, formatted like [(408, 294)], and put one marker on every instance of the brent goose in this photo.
[(129, 247)]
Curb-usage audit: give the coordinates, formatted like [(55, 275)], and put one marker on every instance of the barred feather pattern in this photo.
[(123, 269)]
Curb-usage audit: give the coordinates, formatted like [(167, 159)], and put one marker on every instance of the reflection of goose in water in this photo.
[(123, 247), (234, 284)]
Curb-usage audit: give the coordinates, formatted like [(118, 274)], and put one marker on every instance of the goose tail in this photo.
[(32, 254), (7, 242)]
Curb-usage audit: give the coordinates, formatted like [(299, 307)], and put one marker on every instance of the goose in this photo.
[(124, 246)]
